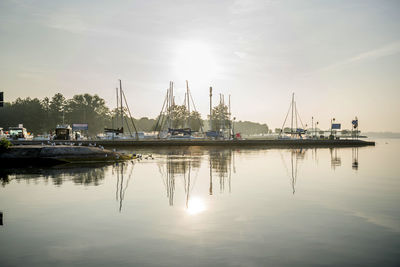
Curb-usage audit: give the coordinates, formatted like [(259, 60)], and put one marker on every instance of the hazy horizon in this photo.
[(340, 58)]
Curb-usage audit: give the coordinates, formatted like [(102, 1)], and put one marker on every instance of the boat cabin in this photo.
[(63, 132), (19, 133)]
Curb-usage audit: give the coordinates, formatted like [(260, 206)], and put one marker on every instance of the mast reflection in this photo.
[(296, 156), (179, 165), (120, 169), (221, 163), (184, 165)]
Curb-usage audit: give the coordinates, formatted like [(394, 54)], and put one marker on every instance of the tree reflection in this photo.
[(87, 174)]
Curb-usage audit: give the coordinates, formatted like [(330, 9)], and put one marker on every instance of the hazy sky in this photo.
[(341, 58)]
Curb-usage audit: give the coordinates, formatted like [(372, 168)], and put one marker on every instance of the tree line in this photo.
[(40, 116)]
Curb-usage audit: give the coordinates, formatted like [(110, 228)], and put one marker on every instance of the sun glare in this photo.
[(194, 61), (195, 206)]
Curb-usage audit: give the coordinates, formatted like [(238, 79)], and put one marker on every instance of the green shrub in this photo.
[(4, 144)]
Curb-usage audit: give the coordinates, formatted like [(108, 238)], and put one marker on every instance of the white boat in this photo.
[(19, 133)]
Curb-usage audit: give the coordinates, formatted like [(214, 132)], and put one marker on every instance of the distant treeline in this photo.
[(382, 134), (249, 128), (41, 116)]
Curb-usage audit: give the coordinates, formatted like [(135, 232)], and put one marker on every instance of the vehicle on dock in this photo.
[(63, 132), (19, 133)]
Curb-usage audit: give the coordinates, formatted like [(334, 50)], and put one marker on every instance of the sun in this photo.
[(195, 61), (195, 206)]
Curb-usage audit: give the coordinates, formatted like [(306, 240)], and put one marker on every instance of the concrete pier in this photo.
[(38, 154), (283, 143)]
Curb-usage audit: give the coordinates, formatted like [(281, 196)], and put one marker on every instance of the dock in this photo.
[(266, 143), (25, 155)]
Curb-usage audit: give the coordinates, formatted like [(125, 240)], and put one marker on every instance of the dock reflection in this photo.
[(180, 171), (297, 156)]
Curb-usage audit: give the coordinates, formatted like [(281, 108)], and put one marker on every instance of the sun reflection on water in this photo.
[(195, 206)]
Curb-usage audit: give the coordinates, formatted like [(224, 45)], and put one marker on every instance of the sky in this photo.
[(340, 58)]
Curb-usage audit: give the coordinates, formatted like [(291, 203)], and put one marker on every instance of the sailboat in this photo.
[(120, 117), (297, 129)]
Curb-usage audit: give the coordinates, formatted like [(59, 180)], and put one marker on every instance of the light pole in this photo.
[(312, 126)]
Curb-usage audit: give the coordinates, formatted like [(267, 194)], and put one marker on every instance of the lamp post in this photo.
[(312, 126)]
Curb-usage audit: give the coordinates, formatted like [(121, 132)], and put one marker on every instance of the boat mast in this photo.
[(291, 122), (117, 110), (296, 115), (188, 102), (122, 112), (210, 108), (230, 122)]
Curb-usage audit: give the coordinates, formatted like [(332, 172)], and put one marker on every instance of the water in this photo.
[(256, 207)]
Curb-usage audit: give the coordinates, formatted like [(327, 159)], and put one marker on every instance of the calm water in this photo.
[(208, 207)]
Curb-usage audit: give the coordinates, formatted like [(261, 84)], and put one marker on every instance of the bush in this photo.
[(4, 144)]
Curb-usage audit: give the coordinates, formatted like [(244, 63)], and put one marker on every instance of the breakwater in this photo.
[(26, 155), (283, 143)]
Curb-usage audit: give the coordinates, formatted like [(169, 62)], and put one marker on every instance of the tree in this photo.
[(56, 109), (178, 115), (220, 118), (28, 112), (195, 121), (89, 109)]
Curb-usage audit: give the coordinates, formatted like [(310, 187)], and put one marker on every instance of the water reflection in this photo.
[(119, 170), (336, 161), (180, 165), (221, 163), (296, 157), (179, 170), (354, 155), (88, 174)]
